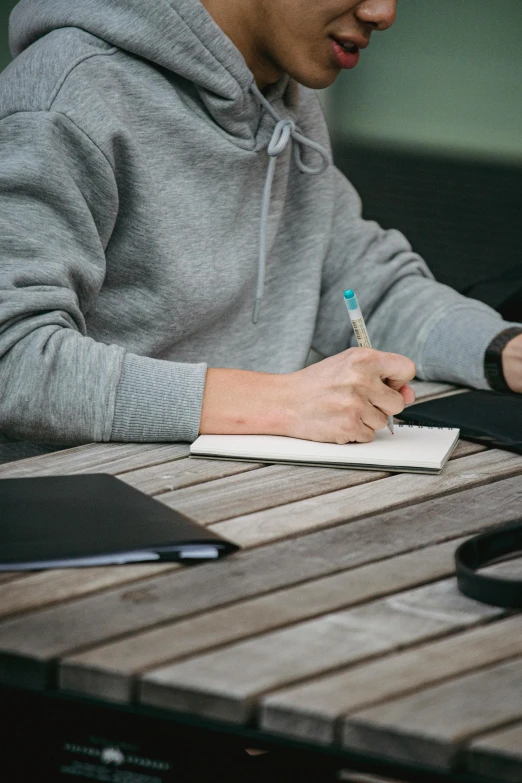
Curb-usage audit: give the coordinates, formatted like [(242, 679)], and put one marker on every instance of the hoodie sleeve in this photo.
[(58, 207), (406, 310)]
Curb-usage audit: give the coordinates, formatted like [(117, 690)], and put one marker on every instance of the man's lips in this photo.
[(348, 42), (346, 54)]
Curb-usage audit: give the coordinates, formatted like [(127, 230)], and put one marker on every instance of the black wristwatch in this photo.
[(493, 358)]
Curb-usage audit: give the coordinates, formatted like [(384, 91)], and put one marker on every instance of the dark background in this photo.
[(429, 129)]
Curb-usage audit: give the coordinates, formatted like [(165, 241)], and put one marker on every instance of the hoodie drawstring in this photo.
[(284, 131)]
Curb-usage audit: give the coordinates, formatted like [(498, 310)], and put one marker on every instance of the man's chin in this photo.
[(315, 79)]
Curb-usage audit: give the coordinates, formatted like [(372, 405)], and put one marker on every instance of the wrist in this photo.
[(243, 402)]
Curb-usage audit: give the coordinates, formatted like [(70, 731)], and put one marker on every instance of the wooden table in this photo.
[(336, 632)]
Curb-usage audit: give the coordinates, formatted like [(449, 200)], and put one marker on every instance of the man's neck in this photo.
[(241, 22)]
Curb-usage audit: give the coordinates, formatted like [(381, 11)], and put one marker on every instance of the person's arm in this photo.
[(58, 206), (343, 398), (406, 310)]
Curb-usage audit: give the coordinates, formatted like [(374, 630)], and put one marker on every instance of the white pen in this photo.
[(359, 327)]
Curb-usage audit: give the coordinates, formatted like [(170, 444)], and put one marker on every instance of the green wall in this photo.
[(447, 77), (5, 10)]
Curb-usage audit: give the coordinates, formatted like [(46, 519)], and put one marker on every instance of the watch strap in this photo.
[(493, 359)]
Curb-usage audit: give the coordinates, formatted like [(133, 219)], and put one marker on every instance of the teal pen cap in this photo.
[(351, 300)]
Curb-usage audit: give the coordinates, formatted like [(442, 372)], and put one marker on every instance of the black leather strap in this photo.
[(481, 551), (493, 358)]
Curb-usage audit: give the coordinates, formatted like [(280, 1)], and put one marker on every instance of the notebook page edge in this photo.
[(225, 447)]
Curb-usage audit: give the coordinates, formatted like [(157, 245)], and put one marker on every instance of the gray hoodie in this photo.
[(133, 171)]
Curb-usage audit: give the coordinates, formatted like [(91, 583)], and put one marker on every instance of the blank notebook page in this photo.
[(416, 449)]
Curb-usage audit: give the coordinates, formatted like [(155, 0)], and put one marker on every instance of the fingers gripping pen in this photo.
[(359, 327)]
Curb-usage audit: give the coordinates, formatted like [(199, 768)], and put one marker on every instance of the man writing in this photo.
[(174, 240)]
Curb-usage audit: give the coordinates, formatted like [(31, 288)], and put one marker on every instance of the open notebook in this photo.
[(412, 449)]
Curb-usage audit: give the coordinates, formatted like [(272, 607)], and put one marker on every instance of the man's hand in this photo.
[(348, 397), (341, 399), (512, 364)]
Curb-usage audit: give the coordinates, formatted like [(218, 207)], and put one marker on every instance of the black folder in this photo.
[(94, 519), (487, 417)]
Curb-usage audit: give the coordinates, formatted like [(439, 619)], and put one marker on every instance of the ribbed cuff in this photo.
[(455, 348), (158, 401)]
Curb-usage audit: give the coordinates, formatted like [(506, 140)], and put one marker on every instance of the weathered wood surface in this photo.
[(339, 622), (29, 644), (357, 777), (272, 487), (315, 710), (356, 502), (466, 448), (10, 576), (269, 488), (186, 472), (52, 586), (434, 724), (498, 756), (43, 588), (109, 671), (225, 684), (110, 458)]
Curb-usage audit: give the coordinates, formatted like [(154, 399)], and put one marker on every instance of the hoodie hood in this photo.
[(178, 35)]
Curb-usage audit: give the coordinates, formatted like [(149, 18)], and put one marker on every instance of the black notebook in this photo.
[(95, 519), (491, 418)]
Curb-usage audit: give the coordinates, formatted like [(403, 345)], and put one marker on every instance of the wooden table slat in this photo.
[(11, 576), (264, 489), (44, 588), (29, 644), (172, 476), (314, 711), (356, 502), (498, 755), (225, 684), (109, 671), (110, 458), (465, 448), (434, 724)]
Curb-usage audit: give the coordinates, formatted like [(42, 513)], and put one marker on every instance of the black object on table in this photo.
[(487, 417), (91, 520)]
